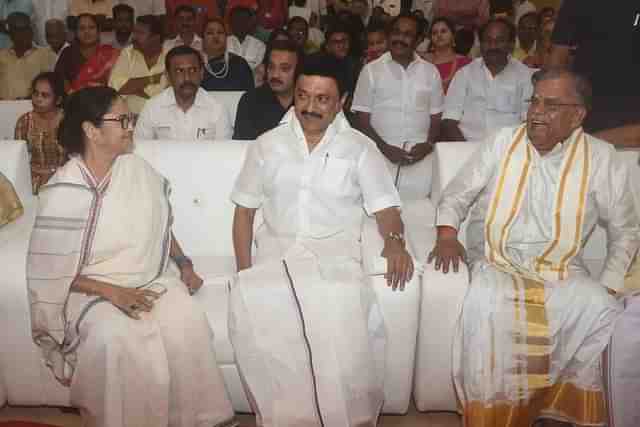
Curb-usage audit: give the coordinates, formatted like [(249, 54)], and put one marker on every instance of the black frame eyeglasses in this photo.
[(125, 120)]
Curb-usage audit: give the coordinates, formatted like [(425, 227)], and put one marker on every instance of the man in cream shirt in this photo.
[(184, 111), (398, 103), (489, 93), (534, 322)]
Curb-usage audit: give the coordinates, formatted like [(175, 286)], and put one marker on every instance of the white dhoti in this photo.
[(414, 181), (309, 341), (504, 374)]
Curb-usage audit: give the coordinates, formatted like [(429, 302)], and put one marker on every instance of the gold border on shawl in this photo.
[(499, 190), (558, 209), (563, 401), (538, 354), (586, 168)]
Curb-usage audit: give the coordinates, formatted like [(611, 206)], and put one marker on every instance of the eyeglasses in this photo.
[(125, 120), (549, 105)]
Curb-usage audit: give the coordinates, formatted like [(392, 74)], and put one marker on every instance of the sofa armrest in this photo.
[(441, 304)]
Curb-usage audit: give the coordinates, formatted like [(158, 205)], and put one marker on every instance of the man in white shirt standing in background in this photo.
[(398, 103), (489, 93), (241, 42), (183, 111)]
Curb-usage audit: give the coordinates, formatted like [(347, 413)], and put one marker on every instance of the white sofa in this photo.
[(202, 176), (442, 295), (10, 112)]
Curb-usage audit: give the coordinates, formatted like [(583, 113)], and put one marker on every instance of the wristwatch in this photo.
[(182, 260), (395, 236)]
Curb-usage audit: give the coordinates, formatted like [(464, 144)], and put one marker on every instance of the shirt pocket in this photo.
[(505, 99), (335, 177), (206, 134), (422, 99), (162, 132)]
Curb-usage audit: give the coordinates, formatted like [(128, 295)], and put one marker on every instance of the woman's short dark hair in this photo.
[(91, 16), (86, 105), (56, 83)]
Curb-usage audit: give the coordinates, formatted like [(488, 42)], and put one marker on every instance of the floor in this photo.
[(55, 417)]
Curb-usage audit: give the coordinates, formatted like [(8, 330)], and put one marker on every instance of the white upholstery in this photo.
[(10, 112), (442, 295), (202, 176), (230, 100)]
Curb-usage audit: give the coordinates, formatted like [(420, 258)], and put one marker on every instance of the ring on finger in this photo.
[(133, 307)]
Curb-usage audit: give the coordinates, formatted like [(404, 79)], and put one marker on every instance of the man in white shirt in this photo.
[(241, 42), (56, 35), (184, 111), (43, 11), (398, 103), (489, 93), (304, 322), (185, 18), (534, 323)]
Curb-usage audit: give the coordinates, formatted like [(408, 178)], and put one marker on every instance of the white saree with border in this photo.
[(534, 324), (156, 371)]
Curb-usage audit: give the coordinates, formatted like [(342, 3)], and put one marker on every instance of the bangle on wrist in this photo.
[(182, 261)]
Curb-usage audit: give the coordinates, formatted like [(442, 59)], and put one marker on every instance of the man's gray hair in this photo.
[(581, 84)]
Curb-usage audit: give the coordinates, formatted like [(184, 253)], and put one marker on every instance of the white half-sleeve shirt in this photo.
[(161, 118), (251, 49), (482, 103), (317, 195), (401, 101)]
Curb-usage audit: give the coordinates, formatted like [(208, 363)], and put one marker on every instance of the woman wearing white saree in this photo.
[(109, 284)]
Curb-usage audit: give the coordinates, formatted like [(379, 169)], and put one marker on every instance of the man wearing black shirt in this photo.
[(261, 109), (608, 53)]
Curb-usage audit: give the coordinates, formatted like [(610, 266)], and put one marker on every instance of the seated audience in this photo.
[(489, 93), (443, 54), (101, 9), (8, 7), (376, 42), (313, 177), (44, 11), (262, 109), (39, 128), (123, 21), (223, 70), (139, 71), (398, 104), (184, 111), (56, 36), (304, 9), (528, 34), (271, 15), (185, 21), (338, 45), (86, 62), (113, 314), (21, 62), (241, 42), (533, 317)]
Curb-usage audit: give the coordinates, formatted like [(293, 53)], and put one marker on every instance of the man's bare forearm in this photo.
[(389, 222), (243, 236), (623, 136), (363, 121)]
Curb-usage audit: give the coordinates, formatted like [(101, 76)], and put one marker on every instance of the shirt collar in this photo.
[(488, 73), (338, 125), (168, 98), (386, 57)]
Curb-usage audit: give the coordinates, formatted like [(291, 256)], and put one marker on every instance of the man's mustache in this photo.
[(495, 52), (399, 43), (311, 114), (276, 81), (188, 84)]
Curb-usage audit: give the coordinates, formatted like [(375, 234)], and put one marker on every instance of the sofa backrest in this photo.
[(14, 164), (230, 101), (202, 177), (452, 156), (10, 112)]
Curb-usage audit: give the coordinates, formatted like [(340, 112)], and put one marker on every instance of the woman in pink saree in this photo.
[(86, 63)]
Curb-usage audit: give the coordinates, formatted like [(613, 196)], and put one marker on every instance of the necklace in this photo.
[(222, 73)]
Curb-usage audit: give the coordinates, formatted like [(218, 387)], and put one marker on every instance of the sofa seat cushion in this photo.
[(217, 273)]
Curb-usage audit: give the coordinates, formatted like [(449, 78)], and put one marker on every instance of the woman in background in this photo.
[(443, 54), (86, 62), (39, 127)]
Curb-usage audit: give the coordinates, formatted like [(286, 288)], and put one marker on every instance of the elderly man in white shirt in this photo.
[(398, 103), (184, 111), (489, 93), (241, 42), (534, 323), (304, 321)]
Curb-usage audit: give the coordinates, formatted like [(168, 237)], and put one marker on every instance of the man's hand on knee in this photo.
[(447, 251)]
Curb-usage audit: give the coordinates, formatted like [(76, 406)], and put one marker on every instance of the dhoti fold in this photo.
[(526, 350), (309, 342)]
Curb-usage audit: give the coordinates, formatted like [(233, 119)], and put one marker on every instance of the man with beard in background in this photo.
[(489, 93), (184, 111), (261, 109)]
